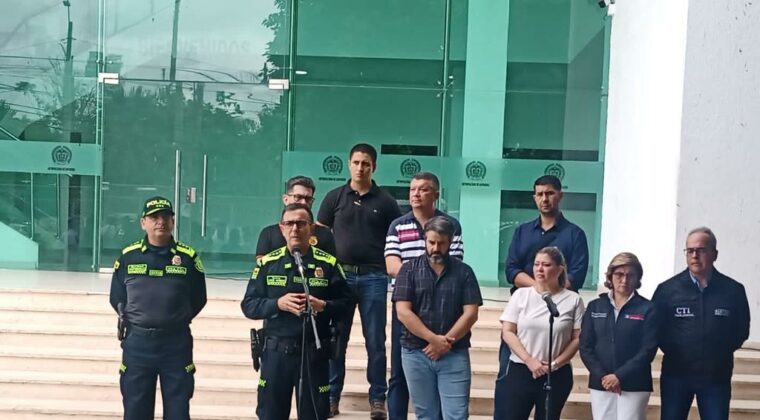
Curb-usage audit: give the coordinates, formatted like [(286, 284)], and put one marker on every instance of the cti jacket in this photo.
[(700, 330), (624, 347)]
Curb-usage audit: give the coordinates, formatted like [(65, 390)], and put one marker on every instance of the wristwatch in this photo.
[(554, 365)]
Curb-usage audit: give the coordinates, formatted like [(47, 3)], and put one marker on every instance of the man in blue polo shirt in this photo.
[(404, 242), (437, 299), (549, 229)]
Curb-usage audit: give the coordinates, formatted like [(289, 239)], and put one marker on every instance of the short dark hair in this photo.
[(548, 180), (297, 206), (440, 225), (365, 148), (301, 180), (428, 176)]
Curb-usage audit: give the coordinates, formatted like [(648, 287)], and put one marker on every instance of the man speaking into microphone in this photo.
[(277, 293)]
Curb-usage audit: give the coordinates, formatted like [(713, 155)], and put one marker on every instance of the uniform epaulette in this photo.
[(323, 256), (183, 248), (132, 246), (274, 255)]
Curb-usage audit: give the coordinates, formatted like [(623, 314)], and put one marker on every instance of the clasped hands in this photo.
[(438, 345), (295, 303), (538, 368), (611, 383)]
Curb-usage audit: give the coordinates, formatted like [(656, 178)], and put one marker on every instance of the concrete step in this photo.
[(242, 394), (78, 300), (56, 409), (216, 306), (57, 346), (238, 366), (578, 406), (223, 333), (211, 325)]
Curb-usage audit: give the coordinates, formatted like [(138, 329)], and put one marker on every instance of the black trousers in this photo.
[(146, 358), (522, 393), (280, 373)]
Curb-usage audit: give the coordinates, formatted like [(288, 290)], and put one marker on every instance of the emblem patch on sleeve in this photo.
[(199, 264)]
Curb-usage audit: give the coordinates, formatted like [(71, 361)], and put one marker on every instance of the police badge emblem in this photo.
[(318, 272), (313, 241), (177, 260)]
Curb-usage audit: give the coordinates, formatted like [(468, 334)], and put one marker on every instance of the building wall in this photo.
[(720, 141), (682, 137)]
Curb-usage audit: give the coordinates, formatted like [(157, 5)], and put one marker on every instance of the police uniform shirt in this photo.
[(160, 287), (276, 274), (359, 223), (271, 238)]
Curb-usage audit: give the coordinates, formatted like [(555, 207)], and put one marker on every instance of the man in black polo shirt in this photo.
[(437, 299), (299, 189), (359, 214)]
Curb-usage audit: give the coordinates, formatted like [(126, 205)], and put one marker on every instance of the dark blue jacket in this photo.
[(624, 347), (700, 330)]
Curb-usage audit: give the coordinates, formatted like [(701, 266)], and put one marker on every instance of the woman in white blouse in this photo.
[(525, 328)]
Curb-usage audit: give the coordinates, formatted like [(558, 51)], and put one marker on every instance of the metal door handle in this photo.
[(205, 195), (177, 174)]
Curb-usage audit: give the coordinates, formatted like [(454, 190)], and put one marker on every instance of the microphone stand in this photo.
[(306, 316), (548, 383)]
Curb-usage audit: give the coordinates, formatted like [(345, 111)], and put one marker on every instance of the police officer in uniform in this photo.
[(158, 287), (275, 294)]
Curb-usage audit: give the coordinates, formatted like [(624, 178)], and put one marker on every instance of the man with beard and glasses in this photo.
[(437, 299)]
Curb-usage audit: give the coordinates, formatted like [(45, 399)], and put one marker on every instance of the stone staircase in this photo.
[(59, 359)]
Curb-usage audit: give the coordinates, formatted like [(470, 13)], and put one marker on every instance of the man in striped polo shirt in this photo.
[(405, 241)]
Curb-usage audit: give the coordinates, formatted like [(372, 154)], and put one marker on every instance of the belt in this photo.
[(363, 268), (289, 345), (157, 332)]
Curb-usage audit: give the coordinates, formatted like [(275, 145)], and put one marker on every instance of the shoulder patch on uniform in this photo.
[(274, 255), (199, 264), (320, 255), (185, 249), (133, 246), (116, 265), (255, 273)]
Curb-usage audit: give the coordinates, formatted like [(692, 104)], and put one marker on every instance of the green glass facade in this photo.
[(488, 94)]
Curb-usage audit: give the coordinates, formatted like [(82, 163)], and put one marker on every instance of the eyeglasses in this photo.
[(299, 197), (696, 251), (299, 224), (619, 275)]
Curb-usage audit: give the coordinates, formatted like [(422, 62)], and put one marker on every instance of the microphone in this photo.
[(547, 297), (299, 260)]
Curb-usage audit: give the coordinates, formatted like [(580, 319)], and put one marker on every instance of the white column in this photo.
[(639, 208)]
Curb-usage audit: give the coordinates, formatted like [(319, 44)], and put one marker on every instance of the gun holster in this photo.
[(257, 347), (121, 325), (337, 347)]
